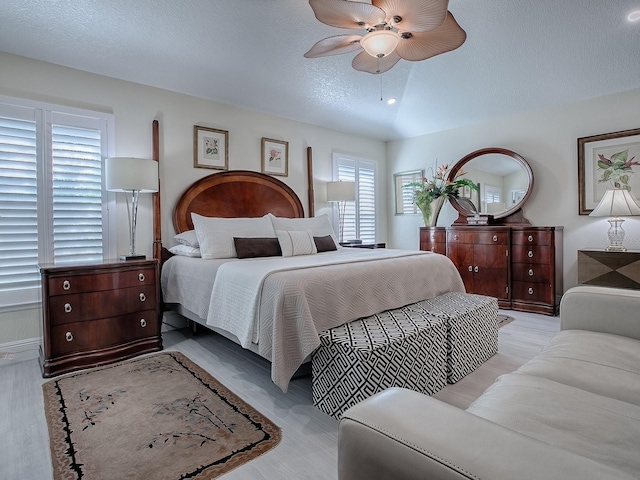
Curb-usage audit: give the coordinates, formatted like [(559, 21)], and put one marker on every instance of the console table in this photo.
[(609, 269)]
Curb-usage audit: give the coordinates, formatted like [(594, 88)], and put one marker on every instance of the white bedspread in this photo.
[(283, 303)]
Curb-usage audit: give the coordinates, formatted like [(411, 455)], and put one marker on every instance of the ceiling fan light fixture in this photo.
[(380, 43)]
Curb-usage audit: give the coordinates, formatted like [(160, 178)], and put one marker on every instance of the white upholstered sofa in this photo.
[(572, 412)]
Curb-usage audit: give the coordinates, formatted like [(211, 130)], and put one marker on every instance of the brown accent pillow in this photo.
[(257, 247), (325, 244)]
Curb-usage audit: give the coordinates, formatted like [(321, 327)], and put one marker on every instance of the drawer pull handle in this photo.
[(433, 237), (531, 272), (530, 238), (495, 238), (455, 237), (67, 307), (66, 285), (142, 297), (475, 269), (143, 322), (69, 337), (530, 254), (141, 277), (530, 291), (470, 268), (433, 249)]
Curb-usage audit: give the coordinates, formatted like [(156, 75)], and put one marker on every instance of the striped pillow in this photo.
[(294, 242)]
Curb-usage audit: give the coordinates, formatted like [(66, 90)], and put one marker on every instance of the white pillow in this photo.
[(320, 226), (185, 250), (187, 238), (294, 242), (215, 235)]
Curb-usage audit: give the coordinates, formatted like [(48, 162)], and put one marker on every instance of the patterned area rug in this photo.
[(504, 320), (157, 417)]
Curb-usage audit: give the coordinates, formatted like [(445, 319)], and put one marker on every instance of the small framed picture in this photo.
[(210, 148), (275, 157)]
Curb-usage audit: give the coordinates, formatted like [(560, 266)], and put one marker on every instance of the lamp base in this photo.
[(126, 258), (615, 248)]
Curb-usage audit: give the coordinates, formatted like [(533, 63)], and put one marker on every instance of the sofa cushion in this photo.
[(600, 363), (603, 429)]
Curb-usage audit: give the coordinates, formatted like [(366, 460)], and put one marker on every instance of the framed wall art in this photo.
[(210, 148), (275, 157), (607, 161)]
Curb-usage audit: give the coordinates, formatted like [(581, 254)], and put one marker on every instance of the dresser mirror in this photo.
[(505, 181)]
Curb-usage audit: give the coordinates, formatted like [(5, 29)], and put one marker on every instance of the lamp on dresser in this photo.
[(134, 176), (341, 192), (616, 203)]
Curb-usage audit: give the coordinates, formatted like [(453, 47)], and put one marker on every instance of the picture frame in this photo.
[(595, 177), (275, 157), (210, 148), (404, 196)]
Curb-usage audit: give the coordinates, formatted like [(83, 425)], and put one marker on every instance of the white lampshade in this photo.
[(125, 174), (380, 43), (616, 203), (341, 191)]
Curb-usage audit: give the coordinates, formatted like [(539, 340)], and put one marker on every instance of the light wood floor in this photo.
[(308, 447)]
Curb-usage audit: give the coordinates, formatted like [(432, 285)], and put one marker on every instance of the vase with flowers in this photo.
[(430, 194)]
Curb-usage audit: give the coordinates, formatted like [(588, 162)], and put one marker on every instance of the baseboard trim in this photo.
[(21, 345)]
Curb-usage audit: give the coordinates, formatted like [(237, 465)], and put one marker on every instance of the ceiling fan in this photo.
[(395, 29)]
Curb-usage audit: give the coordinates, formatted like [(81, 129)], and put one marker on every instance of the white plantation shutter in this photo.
[(52, 204), (360, 217)]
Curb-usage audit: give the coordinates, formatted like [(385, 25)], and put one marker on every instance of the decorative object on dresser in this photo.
[(607, 161), (210, 148), (509, 259), (615, 204), (135, 175), (609, 269), (275, 157), (341, 192), (94, 314), (172, 420)]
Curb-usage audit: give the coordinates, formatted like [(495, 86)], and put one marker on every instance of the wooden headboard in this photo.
[(236, 193)]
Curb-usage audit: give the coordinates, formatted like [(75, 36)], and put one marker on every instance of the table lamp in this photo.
[(616, 203), (341, 192), (134, 175)]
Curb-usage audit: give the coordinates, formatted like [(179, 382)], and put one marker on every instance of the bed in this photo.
[(277, 305)]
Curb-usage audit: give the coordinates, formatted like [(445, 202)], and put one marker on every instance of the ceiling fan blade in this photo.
[(423, 45), (347, 14), (415, 15), (334, 46), (366, 63)]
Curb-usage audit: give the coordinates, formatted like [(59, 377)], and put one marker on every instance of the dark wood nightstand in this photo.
[(363, 245), (609, 269), (94, 314)]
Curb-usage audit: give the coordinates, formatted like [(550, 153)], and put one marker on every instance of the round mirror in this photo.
[(504, 178)]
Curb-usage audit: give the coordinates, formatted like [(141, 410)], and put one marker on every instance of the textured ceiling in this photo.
[(520, 55)]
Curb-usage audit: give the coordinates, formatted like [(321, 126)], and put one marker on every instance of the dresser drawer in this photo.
[(531, 237), (478, 237), (533, 292), (109, 280), (523, 272), (83, 306), (428, 235), (532, 254), (78, 337)]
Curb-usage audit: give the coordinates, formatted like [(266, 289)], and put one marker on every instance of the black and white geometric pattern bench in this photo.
[(472, 329), (395, 348)]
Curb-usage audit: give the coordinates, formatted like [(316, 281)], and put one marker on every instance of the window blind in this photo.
[(360, 217)]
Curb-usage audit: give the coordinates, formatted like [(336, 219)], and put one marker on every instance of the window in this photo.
[(52, 202), (404, 194), (360, 218)]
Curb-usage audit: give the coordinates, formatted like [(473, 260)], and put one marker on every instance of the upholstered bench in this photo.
[(472, 329), (403, 347)]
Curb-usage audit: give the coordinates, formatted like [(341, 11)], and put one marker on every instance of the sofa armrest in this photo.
[(601, 309), (405, 435)]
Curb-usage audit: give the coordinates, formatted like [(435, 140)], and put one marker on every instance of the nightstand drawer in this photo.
[(68, 284), (81, 336), (85, 306)]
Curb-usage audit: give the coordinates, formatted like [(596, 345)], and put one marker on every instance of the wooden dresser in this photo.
[(95, 314), (521, 266)]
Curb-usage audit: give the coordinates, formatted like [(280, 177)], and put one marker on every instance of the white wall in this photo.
[(547, 139), (136, 106)]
